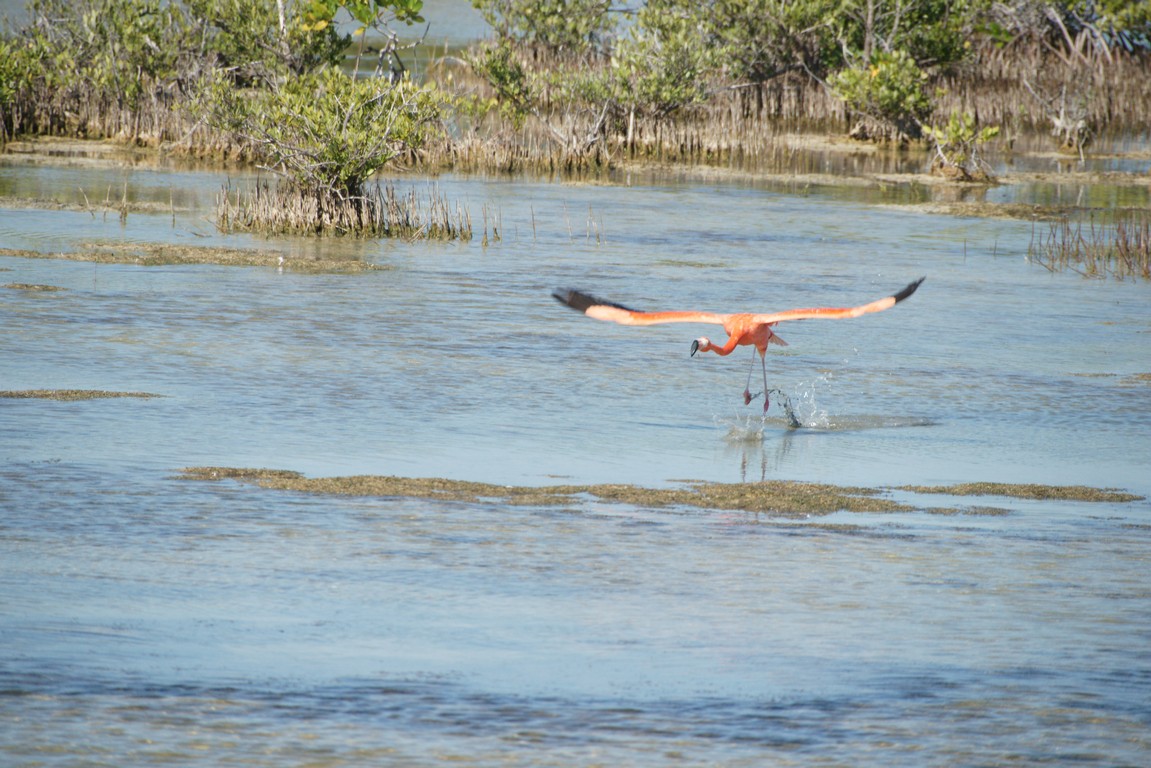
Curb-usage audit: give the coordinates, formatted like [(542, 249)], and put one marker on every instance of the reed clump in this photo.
[(379, 212), (1119, 249)]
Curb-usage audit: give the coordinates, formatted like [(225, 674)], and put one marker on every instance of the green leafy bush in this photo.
[(498, 65), (571, 26), (661, 65), (932, 32), (958, 147), (756, 40), (890, 88), (327, 133), (114, 48), (254, 43)]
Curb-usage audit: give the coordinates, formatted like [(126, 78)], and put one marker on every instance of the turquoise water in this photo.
[(149, 619)]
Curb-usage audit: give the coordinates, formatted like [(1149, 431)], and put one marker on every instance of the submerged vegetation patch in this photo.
[(157, 254), (785, 499), (34, 287), (121, 208), (233, 473), (778, 498), (1128, 380), (1028, 491), (69, 394)]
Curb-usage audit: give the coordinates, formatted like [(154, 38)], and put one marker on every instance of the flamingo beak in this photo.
[(694, 348)]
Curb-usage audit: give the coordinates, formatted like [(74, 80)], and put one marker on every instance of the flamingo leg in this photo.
[(747, 396), (763, 365)]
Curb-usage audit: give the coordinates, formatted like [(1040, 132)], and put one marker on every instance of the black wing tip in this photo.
[(580, 301), (910, 289), (574, 299)]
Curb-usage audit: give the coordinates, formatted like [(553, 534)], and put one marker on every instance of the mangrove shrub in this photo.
[(567, 26), (890, 90), (106, 67), (958, 147), (255, 42), (660, 65), (327, 133)]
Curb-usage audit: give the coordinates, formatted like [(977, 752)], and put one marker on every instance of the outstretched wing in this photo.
[(617, 313), (840, 312)]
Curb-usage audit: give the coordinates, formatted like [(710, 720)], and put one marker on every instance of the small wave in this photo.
[(866, 421), (750, 428)]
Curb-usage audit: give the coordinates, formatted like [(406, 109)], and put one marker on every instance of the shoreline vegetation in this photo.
[(580, 88), (778, 498)]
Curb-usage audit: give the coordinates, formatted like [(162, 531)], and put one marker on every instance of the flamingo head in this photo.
[(702, 343)]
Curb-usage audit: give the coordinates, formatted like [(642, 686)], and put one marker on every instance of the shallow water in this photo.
[(150, 619)]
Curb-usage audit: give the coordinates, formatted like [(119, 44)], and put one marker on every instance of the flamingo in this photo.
[(743, 329)]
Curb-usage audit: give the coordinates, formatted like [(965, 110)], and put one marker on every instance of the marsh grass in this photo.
[(382, 212), (1098, 249)]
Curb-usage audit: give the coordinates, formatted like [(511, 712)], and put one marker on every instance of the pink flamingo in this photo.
[(742, 329)]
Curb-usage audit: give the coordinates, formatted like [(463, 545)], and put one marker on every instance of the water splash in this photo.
[(782, 400), (750, 427), (800, 409), (806, 402)]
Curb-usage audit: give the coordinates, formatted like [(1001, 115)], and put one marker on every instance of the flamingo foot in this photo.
[(766, 402), (748, 397)]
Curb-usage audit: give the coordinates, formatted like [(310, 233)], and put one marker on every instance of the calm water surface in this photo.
[(146, 619)]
